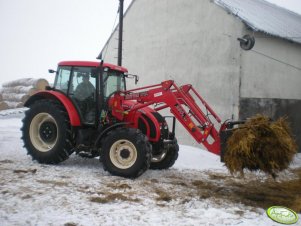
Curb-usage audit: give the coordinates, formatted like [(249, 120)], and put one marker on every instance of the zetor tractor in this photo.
[(89, 111)]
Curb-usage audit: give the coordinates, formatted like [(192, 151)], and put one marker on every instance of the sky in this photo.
[(36, 35)]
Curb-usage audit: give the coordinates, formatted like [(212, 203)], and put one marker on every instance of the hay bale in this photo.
[(19, 89), (14, 104), (38, 84), (20, 105), (16, 93), (15, 97), (260, 144), (3, 106)]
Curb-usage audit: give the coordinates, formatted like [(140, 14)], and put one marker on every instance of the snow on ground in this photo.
[(198, 190)]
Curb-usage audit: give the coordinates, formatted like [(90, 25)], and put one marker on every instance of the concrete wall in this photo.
[(196, 42)]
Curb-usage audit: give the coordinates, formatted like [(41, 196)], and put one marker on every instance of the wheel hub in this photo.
[(48, 131), (125, 153), (43, 132)]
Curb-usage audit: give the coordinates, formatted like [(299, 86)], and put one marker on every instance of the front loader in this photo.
[(89, 111)]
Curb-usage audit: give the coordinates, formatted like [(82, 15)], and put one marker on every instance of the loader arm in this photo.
[(188, 107)]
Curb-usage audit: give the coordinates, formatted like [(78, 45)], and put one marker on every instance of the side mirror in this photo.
[(136, 79), (51, 71), (133, 76)]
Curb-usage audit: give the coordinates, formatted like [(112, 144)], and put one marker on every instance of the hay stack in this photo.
[(3, 106), (14, 104), (15, 97), (260, 144), (15, 93), (38, 84), (20, 89)]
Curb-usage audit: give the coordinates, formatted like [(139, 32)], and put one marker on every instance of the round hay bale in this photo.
[(261, 144), (13, 104), (39, 84), (24, 98), (17, 89), (15, 97), (18, 82), (31, 91), (20, 105), (3, 106)]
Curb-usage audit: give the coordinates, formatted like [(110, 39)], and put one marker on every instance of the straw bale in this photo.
[(39, 84), (15, 97), (261, 144), (19, 89), (3, 106), (20, 105), (14, 104)]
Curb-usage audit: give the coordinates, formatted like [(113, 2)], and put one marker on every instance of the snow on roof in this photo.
[(265, 17)]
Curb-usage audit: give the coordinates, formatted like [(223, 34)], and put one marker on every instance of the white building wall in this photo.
[(272, 69)]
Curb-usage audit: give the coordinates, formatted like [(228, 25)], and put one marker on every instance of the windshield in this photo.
[(113, 81)]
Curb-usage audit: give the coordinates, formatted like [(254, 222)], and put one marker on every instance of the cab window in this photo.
[(62, 79), (113, 81)]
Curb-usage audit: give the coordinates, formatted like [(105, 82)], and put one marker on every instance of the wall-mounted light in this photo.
[(247, 42)]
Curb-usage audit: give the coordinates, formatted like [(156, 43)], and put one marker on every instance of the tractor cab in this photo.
[(88, 85)]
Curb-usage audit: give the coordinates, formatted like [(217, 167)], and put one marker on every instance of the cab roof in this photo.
[(92, 64)]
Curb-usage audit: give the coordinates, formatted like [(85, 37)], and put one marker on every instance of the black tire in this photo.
[(162, 161), (126, 152), (46, 132)]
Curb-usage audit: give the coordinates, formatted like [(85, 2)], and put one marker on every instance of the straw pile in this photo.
[(38, 84), (15, 93), (260, 144), (3, 106)]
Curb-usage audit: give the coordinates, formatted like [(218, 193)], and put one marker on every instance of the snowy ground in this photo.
[(198, 190)]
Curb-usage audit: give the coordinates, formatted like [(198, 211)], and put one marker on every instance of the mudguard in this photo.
[(146, 119), (50, 94)]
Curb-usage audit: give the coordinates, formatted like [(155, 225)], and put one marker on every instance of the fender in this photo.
[(55, 95), (144, 119), (103, 133)]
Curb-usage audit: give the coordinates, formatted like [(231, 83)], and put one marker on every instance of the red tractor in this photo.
[(88, 111)]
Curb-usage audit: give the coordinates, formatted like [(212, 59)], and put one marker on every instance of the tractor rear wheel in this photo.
[(46, 132), (126, 152), (165, 158)]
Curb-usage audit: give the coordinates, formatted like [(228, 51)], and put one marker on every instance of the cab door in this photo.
[(82, 91)]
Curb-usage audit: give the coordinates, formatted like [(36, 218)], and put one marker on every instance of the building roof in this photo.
[(265, 17)]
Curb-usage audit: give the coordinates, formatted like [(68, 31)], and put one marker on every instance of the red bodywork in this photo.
[(152, 130), (50, 94), (93, 64), (184, 103)]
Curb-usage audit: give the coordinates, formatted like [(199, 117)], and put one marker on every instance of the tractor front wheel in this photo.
[(126, 152), (165, 157)]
